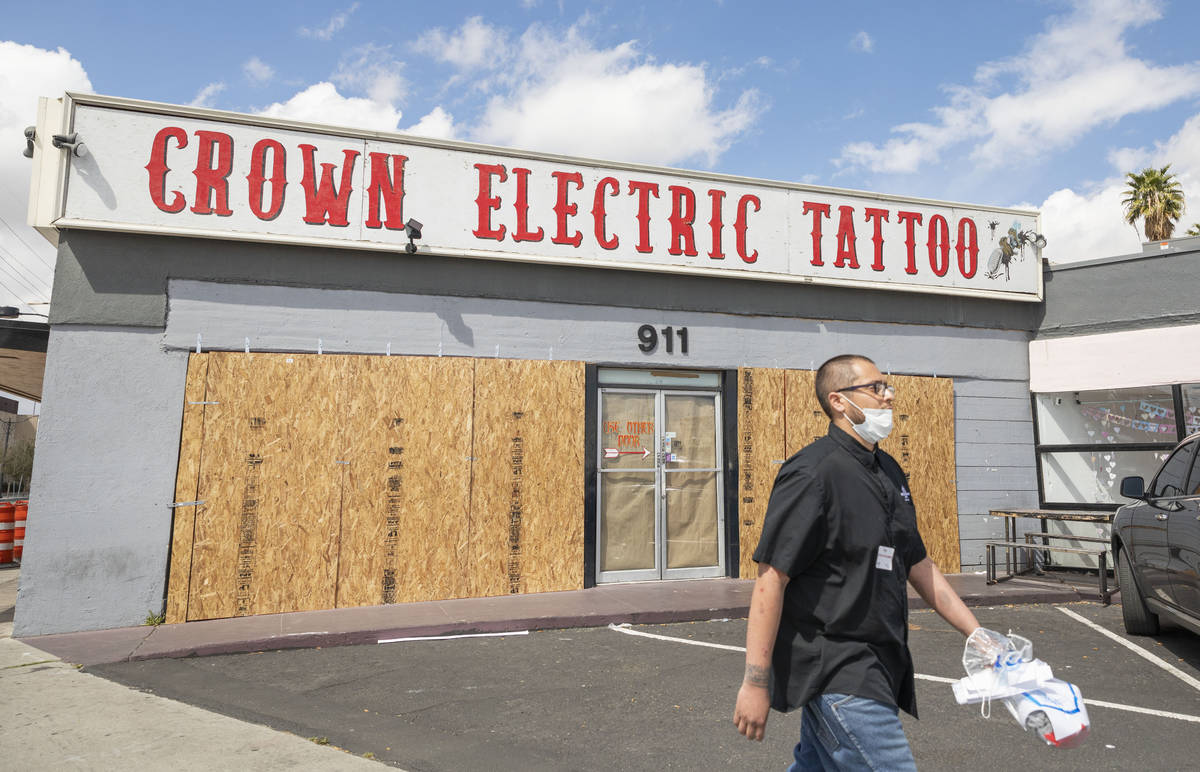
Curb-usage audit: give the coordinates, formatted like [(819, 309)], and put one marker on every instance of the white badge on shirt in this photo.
[(884, 558)]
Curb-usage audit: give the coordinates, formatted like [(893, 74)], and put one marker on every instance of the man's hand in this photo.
[(753, 705), (753, 702)]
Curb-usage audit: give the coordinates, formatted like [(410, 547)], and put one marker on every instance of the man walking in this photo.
[(828, 625)]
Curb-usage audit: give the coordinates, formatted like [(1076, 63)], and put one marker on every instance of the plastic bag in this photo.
[(1002, 667)]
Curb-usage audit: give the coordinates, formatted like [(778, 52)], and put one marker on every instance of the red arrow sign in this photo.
[(613, 452)]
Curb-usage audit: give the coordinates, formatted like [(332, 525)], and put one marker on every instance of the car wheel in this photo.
[(1139, 620)]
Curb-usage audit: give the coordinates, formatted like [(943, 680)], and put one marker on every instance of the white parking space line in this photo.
[(625, 628), (628, 630), (1145, 711), (1182, 676)]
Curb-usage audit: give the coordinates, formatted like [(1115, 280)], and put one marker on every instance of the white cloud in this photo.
[(862, 42), (257, 71), (372, 70), (1087, 225), (204, 97), (476, 45), (321, 103), (26, 73), (1071, 78), (1091, 224), (564, 95), (331, 27), (438, 124)]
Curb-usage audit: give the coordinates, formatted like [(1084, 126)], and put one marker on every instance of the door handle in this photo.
[(1161, 516)]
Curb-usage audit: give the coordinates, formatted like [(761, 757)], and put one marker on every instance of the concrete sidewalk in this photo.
[(54, 717), (639, 603)]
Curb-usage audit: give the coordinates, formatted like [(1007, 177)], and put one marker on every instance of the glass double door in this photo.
[(660, 488)]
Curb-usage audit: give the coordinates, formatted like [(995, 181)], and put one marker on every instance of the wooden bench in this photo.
[(1031, 549)]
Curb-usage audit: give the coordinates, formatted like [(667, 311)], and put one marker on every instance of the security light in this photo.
[(412, 229)]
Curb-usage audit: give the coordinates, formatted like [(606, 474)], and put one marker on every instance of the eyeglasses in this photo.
[(881, 388)]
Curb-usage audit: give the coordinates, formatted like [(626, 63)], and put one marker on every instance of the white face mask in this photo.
[(876, 425)]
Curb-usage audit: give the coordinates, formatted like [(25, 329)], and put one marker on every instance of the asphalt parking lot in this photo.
[(607, 699)]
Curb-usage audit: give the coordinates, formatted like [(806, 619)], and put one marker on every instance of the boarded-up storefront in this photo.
[(324, 481)]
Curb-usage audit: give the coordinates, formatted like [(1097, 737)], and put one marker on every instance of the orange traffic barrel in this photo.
[(7, 518), (20, 513)]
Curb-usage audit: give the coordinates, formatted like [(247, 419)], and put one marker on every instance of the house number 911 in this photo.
[(648, 338)]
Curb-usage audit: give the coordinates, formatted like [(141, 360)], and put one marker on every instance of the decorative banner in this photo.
[(187, 171), (1106, 416)]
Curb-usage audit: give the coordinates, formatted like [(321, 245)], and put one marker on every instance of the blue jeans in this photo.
[(844, 732)]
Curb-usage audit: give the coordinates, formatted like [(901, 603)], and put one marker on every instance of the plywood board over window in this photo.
[(266, 536), (187, 484), (405, 502), (922, 441), (804, 419), (526, 524), (760, 445)]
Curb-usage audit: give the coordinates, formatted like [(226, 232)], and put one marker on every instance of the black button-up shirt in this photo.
[(844, 625)]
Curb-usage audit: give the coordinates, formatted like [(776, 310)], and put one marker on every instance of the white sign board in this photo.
[(164, 169)]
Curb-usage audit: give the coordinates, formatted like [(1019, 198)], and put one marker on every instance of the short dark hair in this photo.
[(834, 374)]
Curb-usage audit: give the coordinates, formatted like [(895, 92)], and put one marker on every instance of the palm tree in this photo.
[(1194, 230), (1155, 196)]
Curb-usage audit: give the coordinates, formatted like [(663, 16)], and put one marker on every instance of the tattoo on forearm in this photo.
[(756, 675)]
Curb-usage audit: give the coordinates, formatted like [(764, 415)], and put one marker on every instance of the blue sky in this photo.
[(1042, 103)]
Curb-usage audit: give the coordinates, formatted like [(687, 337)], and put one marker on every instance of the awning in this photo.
[(23, 358), (1116, 360)]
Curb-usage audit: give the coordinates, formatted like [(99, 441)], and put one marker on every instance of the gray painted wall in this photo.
[(127, 309), (351, 321), (108, 440), (121, 279), (1154, 289), (994, 457)]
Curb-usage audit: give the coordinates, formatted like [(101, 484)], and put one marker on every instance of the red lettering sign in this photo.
[(968, 247), (598, 213), (325, 202), (939, 245), (157, 168), (522, 232), (278, 179), (742, 223), (910, 220), (715, 224), (212, 173), (386, 185), (683, 214), (818, 211), (644, 190), (878, 216), (486, 202), (563, 209), (847, 250)]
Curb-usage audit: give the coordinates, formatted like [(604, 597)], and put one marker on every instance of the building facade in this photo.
[(268, 388)]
